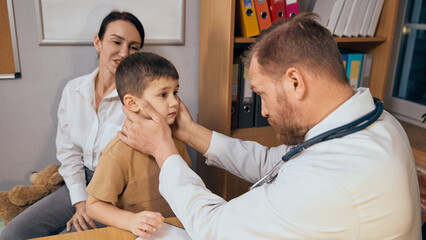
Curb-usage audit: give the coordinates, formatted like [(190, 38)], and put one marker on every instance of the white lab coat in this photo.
[(361, 186)]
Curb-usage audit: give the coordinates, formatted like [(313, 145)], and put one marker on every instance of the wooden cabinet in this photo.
[(217, 47)]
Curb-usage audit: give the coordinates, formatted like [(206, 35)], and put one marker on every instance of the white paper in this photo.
[(167, 231)]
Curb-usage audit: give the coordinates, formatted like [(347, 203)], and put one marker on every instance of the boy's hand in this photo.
[(151, 136), (143, 223)]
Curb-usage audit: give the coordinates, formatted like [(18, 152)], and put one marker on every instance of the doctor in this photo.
[(360, 186)]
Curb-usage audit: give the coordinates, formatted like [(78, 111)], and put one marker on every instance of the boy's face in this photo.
[(162, 95)]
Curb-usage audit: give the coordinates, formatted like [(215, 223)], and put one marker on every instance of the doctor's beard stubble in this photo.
[(286, 124)]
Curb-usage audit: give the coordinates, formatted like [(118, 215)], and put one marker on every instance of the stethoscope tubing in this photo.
[(352, 127)]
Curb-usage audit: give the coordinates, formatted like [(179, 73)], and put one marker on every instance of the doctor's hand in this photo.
[(183, 124), (151, 135), (190, 132)]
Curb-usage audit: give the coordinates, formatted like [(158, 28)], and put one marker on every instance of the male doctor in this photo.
[(360, 186)]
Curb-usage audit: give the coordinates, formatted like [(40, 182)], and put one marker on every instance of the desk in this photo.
[(108, 233)]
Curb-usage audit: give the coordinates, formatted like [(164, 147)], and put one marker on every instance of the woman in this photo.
[(89, 116)]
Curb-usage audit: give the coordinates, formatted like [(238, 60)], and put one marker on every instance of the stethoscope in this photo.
[(338, 132)]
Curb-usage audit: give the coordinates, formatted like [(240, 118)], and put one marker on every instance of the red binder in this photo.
[(291, 7), (277, 10), (262, 11)]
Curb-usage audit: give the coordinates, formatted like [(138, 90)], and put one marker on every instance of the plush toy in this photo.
[(21, 197)]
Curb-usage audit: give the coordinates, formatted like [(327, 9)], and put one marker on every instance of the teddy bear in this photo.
[(21, 197)]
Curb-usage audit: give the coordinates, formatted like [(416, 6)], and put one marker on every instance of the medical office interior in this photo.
[(29, 100)]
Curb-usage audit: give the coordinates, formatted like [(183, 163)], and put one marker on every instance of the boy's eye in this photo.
[(163, 95), (117, 42), (175, 92)]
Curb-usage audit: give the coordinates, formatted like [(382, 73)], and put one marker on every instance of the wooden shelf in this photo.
[(263, 135), (218, 46)]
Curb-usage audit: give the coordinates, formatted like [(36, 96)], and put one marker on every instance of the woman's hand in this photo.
[(143, 223), (151, 136), (80, 218)]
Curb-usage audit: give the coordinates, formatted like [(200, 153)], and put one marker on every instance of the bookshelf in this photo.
[(217, 47)]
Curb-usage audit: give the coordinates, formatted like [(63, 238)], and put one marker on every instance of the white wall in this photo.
[(28, 105)]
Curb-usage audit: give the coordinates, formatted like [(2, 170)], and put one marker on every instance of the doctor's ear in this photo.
[(297, 82), (131, 102)]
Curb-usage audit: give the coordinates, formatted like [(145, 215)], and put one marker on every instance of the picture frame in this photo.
[(10, 67), (64, 22)]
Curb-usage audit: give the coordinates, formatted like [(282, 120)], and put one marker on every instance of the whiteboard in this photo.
[(76, 22)]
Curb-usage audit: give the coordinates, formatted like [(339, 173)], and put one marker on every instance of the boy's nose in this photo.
[(174, 101)]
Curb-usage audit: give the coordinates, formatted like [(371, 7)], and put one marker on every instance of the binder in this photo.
[(353, 68), (375, 18), (247, 18), (245, 99), (234, 97), (343, 18), (367, 18), (263, 17), (367, 61), (345, 60), (359, 17), (335, 14), (276, 10), (259, 120), (353, 13), (291, 8)]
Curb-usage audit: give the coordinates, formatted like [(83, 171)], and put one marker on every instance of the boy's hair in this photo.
[(298, 41), (137, 70)]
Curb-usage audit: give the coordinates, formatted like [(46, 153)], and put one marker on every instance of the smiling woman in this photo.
[(89, 116)]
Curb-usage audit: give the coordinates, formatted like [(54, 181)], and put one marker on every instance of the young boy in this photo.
[(124, 189)]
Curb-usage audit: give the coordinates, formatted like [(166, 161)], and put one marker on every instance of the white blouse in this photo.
[(82, 132)]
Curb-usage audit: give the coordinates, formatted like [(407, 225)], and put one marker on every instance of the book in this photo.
[(335, 14), (360, 17), (324, 10), (367, 18), (353, 13), (343, 18), (375, 18), (367, 61)]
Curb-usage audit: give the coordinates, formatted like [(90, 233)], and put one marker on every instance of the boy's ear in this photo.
[(131, 103)]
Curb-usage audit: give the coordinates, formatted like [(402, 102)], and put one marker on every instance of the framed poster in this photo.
[(10, 67), (76, 22)]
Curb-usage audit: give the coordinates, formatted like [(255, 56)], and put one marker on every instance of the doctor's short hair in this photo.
[(138, 70), (298, 41)]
